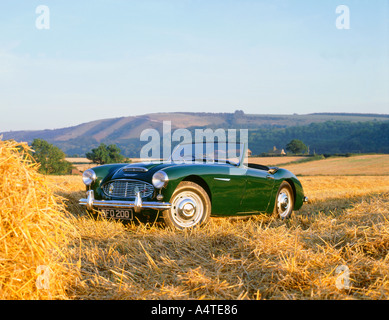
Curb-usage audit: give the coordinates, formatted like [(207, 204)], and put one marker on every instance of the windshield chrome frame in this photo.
[(240, 163)]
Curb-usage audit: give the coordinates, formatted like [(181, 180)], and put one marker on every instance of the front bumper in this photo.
[(91, 203)]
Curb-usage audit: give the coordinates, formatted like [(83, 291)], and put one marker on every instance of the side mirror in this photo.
[(272, 170)]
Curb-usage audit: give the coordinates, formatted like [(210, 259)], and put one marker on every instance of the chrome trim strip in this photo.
[(138, 205), (222, 179), (135, 169)]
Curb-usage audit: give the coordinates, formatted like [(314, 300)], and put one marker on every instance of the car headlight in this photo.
[(88, 177), (160, 179)]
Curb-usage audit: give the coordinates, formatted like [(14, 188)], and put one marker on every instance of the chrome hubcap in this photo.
[(187, 209), (283, 203)]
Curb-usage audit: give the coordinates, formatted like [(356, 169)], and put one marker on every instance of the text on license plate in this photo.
[(125, 214)]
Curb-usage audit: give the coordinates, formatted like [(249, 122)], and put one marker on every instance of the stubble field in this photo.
[(345, 227)]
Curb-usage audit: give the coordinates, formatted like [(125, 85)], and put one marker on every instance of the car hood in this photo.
[(142, 171)]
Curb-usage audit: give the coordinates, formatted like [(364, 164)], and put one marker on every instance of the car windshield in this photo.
[(209, 152)]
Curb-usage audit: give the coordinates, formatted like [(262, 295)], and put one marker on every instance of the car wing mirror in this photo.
[(272, 170)]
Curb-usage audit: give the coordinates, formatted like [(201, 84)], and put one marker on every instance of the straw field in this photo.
[(34, 230), (365, 165), (344, 227)]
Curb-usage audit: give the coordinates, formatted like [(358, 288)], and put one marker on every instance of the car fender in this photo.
[(103, 174), (285, 175)]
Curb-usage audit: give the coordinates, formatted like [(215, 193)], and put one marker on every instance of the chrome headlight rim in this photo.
[(88, 177), (160, 179)]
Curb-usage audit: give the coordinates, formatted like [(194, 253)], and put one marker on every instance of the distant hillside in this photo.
[(324, 132), (328, 137)]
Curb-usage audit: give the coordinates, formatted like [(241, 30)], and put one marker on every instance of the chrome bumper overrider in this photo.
[(137, 205), (305, 199)]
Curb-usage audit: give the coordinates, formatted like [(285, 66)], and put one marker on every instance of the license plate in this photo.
[(123, 214)]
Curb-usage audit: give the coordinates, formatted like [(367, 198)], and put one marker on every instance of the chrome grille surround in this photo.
[(127, 188)]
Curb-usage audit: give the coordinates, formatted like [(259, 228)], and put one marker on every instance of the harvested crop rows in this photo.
[(345, 225)]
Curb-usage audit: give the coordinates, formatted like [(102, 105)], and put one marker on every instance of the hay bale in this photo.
[(33, 228)]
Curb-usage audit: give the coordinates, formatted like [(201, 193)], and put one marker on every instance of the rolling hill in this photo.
[(265, 131)]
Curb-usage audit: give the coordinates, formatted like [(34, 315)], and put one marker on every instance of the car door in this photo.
[(227, 186), (258, 190)]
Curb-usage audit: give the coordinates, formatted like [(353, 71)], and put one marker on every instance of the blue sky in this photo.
[(104, 59)]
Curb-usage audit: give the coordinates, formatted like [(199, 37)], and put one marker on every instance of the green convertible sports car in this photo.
[(198, 181)]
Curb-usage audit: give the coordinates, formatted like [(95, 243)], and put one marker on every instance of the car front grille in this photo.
[(128, 189)]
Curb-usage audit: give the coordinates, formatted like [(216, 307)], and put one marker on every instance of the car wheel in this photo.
[(284, 203), (191, 207)]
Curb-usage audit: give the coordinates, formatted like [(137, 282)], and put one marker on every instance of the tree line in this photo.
[(52, 160), (331, 137)]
